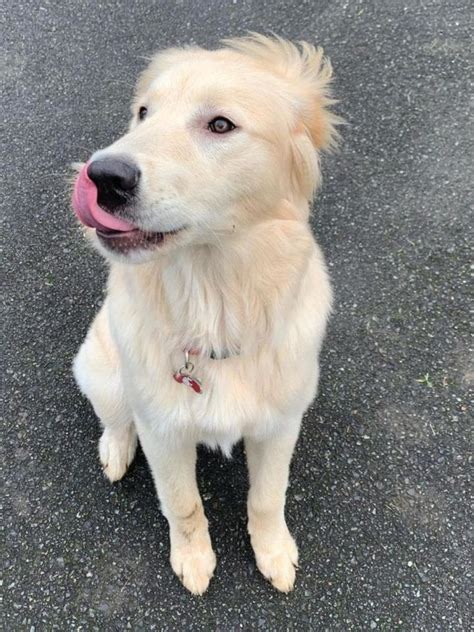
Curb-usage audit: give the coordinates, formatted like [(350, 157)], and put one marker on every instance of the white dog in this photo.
[(218, 295)]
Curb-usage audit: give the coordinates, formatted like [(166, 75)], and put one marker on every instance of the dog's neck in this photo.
[(225, 298), (202, 290)]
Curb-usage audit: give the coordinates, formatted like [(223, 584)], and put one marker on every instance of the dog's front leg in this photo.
[(275, 550), (173, 465)]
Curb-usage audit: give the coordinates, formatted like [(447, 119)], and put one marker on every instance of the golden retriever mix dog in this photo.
[(218, 296)]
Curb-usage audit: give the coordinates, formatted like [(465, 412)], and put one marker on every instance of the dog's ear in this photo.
[(316, 75), (315, 120), (306, 76)]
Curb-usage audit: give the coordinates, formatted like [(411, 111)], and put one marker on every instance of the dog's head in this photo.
[(217, 140)]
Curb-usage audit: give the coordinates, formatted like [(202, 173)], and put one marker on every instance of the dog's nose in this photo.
[(116, 179)]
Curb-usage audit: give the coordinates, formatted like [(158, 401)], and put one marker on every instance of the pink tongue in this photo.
[(84, 203)]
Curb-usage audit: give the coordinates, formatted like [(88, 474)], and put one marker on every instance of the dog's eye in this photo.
[(220, 125), (142, 112)]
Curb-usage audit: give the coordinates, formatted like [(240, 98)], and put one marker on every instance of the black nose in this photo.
[(116, 179)]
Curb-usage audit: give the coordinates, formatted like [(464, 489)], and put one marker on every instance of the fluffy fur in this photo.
[(245, 277)]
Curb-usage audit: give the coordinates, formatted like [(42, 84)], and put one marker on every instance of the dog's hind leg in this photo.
[(97, 371)]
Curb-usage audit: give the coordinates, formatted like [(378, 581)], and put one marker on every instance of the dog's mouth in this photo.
[(125, 241), (113, 232)]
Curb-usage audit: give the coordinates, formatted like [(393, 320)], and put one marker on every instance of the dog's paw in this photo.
[(277, 559), (116, 451), (194, 565)]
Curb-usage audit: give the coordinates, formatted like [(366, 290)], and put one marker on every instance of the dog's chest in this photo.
[(153, 329), (204, 312), (156, 318)]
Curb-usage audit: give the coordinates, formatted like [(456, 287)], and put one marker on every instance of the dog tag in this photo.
[(183, 375), (187, 380)]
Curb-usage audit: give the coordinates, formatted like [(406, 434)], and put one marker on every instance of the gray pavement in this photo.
[(379, 485)]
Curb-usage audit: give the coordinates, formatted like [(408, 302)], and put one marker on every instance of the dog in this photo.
[(218, 295)]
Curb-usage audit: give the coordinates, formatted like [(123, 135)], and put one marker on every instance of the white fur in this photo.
[(245, 278)]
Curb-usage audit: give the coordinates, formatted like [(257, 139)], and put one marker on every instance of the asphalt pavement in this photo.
[(379, 494)]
